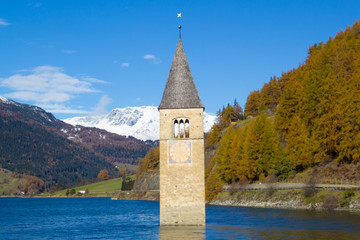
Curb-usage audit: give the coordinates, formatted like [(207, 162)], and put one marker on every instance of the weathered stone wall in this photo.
[(182, 189)]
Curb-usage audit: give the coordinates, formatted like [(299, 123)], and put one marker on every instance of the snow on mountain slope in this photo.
[(28, 111), (5, 100), (140, 122)]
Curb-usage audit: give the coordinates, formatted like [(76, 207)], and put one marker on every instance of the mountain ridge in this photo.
[(140, 122), (34, 142)]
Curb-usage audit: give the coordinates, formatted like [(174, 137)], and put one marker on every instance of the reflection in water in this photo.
[(182, 232), (238, 232), (101, 218), (309, 234), (257, 223)]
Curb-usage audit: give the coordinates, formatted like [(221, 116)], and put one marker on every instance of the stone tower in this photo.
[(182, 188)]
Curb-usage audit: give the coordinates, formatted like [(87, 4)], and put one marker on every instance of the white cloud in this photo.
[(44, 79), (59, 108), (45, 97), (34, 5), (149, 56), (49, 86), (3, 22), (68, 51), (87, 78), (125, 64), (153, 58), (101, 106)]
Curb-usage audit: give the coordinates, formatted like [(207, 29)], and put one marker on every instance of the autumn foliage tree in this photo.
[(223, 156), (149, 162), (270, 94), (253, 103), (33, 185), (261, 148), (122, 173), (298, 147), (104, 175)]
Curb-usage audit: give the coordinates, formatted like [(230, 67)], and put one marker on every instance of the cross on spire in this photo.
[(179, 17)]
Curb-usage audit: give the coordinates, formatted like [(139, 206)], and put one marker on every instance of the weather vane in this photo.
[(179, 17)]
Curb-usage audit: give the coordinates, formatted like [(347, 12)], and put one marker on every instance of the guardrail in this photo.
[(288, 186)]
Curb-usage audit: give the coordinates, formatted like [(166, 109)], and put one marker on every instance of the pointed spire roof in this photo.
[(180, 90)]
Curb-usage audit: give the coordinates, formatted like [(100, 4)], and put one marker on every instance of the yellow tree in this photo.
[(213, 184), (149, 162), (214, 135), (298, 147), (222, 157), (253, 104), (289, 104), (270, 94), (104, 175), (33, 185), (261, 148), (237, 160)]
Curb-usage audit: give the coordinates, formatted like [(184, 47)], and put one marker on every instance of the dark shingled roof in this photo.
[(180, 90)]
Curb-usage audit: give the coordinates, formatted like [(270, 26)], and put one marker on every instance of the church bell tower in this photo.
[(182, 188)]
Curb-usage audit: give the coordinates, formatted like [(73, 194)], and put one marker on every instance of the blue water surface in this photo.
[(103, 218)]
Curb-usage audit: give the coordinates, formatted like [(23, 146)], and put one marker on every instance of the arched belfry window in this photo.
[(176, 128), (181, 128), (187, 128)]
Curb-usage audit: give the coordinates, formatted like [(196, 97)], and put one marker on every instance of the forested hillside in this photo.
[(33, 142), (35, 149), (318, 103), (316, 109), (115, 148)]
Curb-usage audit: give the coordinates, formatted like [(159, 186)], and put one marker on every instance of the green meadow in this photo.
[(103, 188)]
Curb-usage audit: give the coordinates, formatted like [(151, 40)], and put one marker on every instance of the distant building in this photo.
[(233, 121)]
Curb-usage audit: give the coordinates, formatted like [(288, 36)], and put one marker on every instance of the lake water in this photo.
[(102, 218)]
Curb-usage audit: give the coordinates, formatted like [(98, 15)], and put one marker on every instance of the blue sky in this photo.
[(77, 58)]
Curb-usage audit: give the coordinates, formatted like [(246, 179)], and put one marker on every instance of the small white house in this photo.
[(82, 191)]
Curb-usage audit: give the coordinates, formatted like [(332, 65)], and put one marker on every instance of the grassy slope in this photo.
[(104, 188), (126, 165), (8, 183)]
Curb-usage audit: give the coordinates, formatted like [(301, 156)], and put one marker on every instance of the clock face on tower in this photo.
[(179, 151)]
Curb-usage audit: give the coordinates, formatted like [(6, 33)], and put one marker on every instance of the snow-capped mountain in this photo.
[(29, 112), (140, 122)]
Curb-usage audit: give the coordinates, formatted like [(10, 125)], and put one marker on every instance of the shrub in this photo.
[(349, 194), (310, 187), (330, 202), (127, 184), (72, 191), (344, 203)]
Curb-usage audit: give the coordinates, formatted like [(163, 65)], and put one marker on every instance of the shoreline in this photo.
[(344, 198), (276, 199)]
